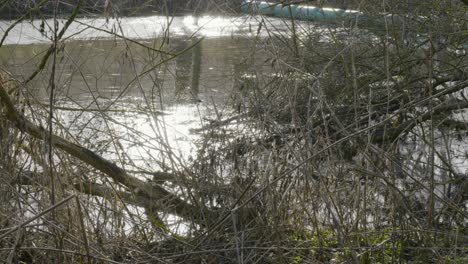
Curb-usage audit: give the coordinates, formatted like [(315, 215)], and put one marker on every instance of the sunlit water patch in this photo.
[(150, 27), (136, 138)]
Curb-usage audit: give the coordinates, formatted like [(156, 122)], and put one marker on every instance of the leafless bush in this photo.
[(351, 148)]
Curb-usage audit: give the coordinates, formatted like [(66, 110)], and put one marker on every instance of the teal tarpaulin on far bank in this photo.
[(300, 12)]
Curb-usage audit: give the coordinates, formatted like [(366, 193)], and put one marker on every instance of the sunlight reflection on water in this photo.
[(138, 28), (140, 140)]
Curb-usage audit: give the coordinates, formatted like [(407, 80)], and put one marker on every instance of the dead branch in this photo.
[(169, 202)]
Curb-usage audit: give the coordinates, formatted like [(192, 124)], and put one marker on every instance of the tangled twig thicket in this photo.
[(351, 149)]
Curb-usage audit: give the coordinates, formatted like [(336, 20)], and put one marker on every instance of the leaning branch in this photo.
[(167, 201)]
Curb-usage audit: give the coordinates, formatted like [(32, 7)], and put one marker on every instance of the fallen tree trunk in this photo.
[(165, 200)]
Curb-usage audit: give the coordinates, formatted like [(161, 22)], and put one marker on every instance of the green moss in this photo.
[(386, 245)]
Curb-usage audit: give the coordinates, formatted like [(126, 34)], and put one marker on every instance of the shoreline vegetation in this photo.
[(332, 145)]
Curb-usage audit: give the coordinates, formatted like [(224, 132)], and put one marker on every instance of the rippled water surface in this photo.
[(182, 71)]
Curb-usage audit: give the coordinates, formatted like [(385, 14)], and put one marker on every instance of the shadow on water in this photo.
[(108, 69)]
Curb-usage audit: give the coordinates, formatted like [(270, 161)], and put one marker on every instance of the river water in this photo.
[(129, 102), (149, 100), (183, 71), (143, 88)]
